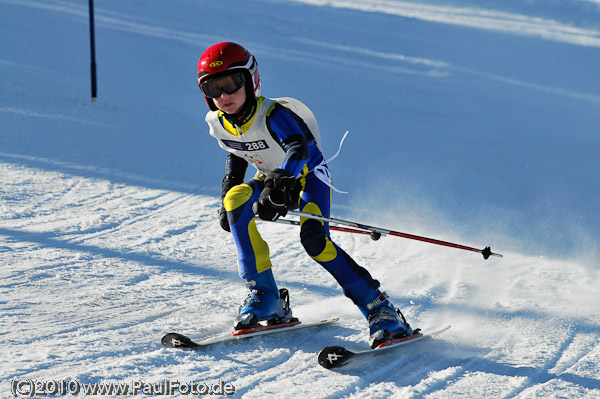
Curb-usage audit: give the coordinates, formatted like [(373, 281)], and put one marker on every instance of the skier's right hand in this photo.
[(267, 209), (277, 194)]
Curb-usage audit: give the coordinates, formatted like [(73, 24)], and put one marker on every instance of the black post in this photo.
[(93, 48)]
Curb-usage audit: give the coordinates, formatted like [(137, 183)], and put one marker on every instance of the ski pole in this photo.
[(336, 228), (376, 233)]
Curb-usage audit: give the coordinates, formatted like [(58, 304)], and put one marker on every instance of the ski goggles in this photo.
[(229, 84)]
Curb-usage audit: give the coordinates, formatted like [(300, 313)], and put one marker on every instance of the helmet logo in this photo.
[(215, 64)]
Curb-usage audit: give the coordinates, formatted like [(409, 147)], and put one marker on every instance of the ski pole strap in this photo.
[(322, 172)]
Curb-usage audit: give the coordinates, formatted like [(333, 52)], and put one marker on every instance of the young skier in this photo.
[(280, 138)]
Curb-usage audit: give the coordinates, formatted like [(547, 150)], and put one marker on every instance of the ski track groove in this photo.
[(269, 371), (397, 367), (439, 384), (132, 221), (588, 350), (256, 375), (543, 375), (595, 348), (257, 379)]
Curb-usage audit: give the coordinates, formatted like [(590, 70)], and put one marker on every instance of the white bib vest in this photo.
[(256, 145)]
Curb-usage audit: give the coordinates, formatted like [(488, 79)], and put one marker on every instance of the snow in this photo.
[(471, 122)]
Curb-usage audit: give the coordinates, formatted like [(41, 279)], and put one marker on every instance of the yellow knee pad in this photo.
[(329, 251), (237, 196)]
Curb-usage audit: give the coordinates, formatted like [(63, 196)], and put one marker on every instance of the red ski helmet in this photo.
[(223, 58)]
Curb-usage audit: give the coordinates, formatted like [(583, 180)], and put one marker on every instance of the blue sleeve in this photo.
[(294, 137)]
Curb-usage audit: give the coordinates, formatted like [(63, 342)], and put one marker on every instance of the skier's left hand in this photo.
[(223, 221), (228, 182), (275, 197)]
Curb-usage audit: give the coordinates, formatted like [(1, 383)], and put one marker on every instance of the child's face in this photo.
[(231, 103), (228, 92)]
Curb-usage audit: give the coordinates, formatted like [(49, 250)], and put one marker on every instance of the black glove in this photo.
[(228, 182), (279, 192), (223, 221)]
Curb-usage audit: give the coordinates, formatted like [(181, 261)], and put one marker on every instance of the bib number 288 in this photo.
[(256, 145)]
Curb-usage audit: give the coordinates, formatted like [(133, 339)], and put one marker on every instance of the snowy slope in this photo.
[(473, 122)]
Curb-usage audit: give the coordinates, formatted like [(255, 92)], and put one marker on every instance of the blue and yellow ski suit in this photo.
[(283, 133)]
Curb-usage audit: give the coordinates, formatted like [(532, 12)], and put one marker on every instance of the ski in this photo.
[(337, 356), (175, 340)]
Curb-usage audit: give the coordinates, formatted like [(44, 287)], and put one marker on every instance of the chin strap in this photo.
[(244, 115)]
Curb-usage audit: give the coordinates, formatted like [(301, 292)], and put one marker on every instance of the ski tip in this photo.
[(175, 340), (334, 356)]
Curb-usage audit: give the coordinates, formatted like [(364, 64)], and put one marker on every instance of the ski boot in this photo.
[(264, 303), (385, 321)]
